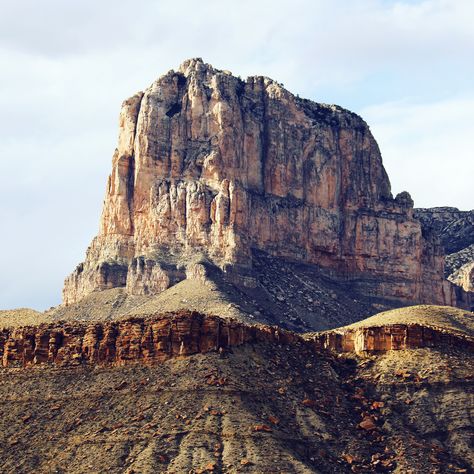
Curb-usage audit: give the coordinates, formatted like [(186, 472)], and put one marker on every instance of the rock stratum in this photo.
[(210, 169), (157, 338), (149, 340)]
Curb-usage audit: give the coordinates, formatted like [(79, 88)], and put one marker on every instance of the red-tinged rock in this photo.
[(307, 402), (389, 338), (368, 424), (262, 427), (273, 419), (185, 333), (377, 405), (349, 458)]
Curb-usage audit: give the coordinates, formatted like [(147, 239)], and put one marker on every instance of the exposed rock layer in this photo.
[(209, 167), (156, 339), (390, 338), (145, 340)]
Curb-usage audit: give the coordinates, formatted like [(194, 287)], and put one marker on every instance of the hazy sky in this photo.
[(406, 66)]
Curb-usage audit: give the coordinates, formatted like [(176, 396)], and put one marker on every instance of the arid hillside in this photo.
[(274, 403)]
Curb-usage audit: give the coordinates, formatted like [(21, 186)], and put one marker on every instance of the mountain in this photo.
[(211, 172), (247, 304), (455, 229)]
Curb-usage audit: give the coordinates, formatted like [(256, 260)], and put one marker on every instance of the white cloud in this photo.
[(427, 149)]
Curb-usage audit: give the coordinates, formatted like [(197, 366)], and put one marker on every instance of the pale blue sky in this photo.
[(406, 66)]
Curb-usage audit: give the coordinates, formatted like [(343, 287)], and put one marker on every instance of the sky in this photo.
[(405, 66)]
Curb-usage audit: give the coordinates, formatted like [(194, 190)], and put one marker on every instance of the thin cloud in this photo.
[(427, 149)]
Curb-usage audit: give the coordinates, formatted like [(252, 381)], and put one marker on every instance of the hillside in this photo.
[(446, 317), (21, 317), (263, 406)]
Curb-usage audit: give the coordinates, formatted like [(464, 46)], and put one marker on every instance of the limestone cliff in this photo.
[(209, 168), (455, 227), (464, 277)]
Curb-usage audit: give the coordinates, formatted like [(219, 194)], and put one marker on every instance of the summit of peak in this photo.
[(193, 64)]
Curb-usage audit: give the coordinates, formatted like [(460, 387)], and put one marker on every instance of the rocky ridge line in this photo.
[(392, 337), (162, 337)]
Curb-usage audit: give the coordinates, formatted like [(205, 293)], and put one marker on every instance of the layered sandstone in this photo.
[(135, 340), (209, 167), (391, 337), (154, 339)]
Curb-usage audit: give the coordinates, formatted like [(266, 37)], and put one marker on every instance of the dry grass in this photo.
[(440, 316), (21, 317)]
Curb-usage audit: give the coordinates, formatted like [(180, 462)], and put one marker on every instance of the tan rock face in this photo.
[(210, 167), (391, 337), (156, 338), (464, 277)]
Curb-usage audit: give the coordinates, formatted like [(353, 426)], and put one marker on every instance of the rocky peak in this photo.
[(210, 168)]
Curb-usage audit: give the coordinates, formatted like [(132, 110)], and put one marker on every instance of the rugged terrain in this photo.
[(456, 232), (219, 322), (293, 295), (270, 401)]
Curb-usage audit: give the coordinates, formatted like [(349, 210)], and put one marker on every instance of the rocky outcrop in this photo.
[(154, 339), (389, 338), (454, 261), (135, 340), (464, 277), (209, 167), (455, 227)]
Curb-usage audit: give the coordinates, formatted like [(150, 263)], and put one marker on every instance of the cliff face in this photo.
[(391, 337), (153, 339), (464, 277), (135, 340), (455, 229), (210, 167)]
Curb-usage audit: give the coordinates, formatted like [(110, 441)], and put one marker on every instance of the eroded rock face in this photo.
[(464, 277), (391, 337), (455, 227), (209, 167), (154, 339), (136, 340)]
